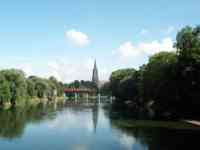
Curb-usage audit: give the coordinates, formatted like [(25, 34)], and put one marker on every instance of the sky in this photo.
[(63, 37)]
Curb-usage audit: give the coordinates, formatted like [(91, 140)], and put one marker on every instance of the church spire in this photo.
[(95, 76)]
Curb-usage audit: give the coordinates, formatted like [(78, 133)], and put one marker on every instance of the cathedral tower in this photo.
[(95, 76)]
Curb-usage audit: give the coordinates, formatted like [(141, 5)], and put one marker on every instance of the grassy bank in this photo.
[(33, 101)]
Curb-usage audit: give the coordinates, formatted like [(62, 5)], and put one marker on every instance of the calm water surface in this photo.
[(57, 127)]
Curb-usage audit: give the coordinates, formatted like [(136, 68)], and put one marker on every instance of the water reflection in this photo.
[(82, 127), (95, 114), (159, 139), (12, 124), (73, 118), (13, 121), (77, 117), (127, 141), (156, 138)]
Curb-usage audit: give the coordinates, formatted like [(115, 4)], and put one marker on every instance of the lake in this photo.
[(89, 127)]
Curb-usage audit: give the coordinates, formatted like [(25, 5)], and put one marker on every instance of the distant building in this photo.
[(95, 76)]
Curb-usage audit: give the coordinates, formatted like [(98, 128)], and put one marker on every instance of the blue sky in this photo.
[(63, 37)]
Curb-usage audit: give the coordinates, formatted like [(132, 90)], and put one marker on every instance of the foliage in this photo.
[(128, 87), (5, 94), (119, 83), (169, 81), (157, 73), (105, 89), (188, 67), (15, 87), (17, 84), (81, 84), (188, 43)]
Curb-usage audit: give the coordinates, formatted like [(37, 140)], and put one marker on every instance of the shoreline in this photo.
[(32, 101)]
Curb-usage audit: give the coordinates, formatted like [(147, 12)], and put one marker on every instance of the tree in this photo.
[(41, 88), (76, 84), (17, 83), (128, 88), (5, 94), (58, 86), (117, 77), (105, 89), (31, 88), (158, 80), (15, 87), (188, 43), (188, 68)]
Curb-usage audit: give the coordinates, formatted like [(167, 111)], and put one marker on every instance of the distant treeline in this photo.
[(81, 84), (169, 83), (15, 87)]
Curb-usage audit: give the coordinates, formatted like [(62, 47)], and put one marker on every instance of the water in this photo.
[(57, 127)]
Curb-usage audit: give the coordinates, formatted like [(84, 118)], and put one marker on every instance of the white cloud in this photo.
[(27, 68), (69, 70), (21, 63), (129, 50), (77, 38), (155, 46), (63, 68), (127, 141), (68, 120)]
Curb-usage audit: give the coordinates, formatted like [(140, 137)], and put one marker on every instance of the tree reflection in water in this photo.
[(91, 127), (155, 135), (13, 121)]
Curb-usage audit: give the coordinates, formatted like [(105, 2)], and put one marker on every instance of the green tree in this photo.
[(5, 94), (128, 88), (158, 80), (117, 77), (188, 43), (56, 85), (31, 88), (105, 89), (17, 82), (188, 68), (76, 84), (41, 88)]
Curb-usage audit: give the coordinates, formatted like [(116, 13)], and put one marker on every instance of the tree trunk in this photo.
[(13, 104), (1, 103)]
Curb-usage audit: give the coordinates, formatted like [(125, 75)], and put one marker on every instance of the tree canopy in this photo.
[(169, 79), (15, 87)]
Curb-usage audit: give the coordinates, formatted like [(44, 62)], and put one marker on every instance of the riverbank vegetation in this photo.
[(81, 84), (169, 83), (16, 88)]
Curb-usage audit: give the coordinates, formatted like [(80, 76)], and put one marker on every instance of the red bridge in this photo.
[(78, 90)]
